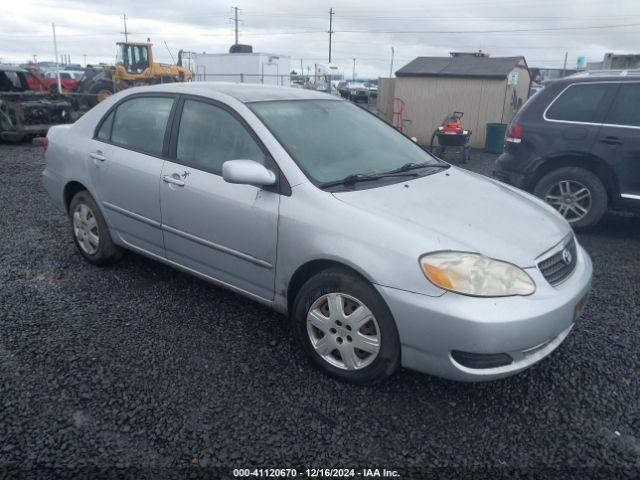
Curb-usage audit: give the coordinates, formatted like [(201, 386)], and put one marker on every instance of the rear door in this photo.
[(225, 231), (573, 119), (126, 158), (619, 140)]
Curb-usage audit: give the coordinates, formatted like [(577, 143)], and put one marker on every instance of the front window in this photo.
[(134, 58), (331, 140), (13, 82), (209, 136)]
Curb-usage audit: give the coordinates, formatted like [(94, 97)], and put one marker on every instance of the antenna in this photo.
[(170, 54)]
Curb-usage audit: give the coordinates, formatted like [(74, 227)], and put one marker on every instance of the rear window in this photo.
[(140, 123), (578, 103), (625, 109)]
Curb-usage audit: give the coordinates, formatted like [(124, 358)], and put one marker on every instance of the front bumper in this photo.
[(526, 328)]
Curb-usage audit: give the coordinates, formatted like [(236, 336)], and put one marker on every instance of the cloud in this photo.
[(299, 29)]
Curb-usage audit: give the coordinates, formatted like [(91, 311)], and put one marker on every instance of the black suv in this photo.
[(576, 144)]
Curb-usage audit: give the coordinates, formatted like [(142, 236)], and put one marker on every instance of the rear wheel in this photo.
[(577, 194), (345, 328), (90, 232)]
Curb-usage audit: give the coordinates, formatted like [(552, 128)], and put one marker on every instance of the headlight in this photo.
[(475, 274)]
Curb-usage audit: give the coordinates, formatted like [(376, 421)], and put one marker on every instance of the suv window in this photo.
[(579, 103), (624, 110), (140, 123), (209, 136)]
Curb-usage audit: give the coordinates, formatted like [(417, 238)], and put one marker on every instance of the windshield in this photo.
[(330, 140)]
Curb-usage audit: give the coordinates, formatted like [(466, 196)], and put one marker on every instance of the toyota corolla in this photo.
[(380, 254)]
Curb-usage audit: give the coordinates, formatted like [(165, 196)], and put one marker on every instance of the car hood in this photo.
[(458, 210)]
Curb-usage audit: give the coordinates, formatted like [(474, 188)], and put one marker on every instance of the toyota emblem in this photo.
[(566, 256)]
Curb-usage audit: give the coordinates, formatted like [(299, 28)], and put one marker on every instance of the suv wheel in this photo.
[(345, 328), (576, 193)]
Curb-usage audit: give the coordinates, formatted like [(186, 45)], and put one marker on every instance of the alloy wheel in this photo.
[(343, 331), (572, 199), (85, 229)]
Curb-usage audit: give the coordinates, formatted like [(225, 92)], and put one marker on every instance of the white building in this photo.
[(266, 68)]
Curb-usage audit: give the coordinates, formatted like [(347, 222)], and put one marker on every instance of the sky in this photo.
[(540, 30)]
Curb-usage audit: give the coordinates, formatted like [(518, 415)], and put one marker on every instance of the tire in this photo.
[(85, 216), (99, 91), (373, 328), (581, 210)]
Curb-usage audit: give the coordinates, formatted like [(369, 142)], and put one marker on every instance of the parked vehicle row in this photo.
[(322, 211), (26, 112), (576, 144), (358, 91)]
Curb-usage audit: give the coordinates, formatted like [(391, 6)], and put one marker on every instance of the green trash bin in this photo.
[(494, 141)]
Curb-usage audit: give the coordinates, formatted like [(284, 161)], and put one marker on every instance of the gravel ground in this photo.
[(140, 365)]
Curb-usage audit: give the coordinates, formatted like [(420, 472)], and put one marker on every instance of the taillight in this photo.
[(514, 133), (45, 143)]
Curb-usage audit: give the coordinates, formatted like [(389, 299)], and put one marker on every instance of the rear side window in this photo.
[(105, 129), (140, 123), (626, 107), (578, 103), (210, 135)]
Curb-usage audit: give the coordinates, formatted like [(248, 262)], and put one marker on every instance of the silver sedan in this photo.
[(381, 254)]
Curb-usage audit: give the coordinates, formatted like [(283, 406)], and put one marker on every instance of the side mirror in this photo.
[(247, 172)]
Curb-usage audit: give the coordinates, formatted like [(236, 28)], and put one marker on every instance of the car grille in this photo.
[(557, 267)]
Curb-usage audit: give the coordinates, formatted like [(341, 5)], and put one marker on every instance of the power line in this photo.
[(331, 13), (235, 20), (126, 34), (517, 30)]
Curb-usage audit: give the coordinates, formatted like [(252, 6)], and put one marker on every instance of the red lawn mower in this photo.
[(452, 136)]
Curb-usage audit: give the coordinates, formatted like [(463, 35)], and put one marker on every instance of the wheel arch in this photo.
[(311, 268), (70, 189), (591, 163)]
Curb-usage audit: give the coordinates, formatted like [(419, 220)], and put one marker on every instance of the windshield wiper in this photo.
[(415, 166), (361, 177)]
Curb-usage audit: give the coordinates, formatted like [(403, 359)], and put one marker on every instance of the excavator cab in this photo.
[(134, 57)]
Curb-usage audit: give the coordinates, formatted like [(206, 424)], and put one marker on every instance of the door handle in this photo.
[(98, 155), (611, 141), (174, 179)]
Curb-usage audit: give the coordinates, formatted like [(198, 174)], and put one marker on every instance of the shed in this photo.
[(487, 89)]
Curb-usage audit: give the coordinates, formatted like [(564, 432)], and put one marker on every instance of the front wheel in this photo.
[(577, 194), (345, 328)]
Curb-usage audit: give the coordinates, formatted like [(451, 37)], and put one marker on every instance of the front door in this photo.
[(225, 231), (125, 162)]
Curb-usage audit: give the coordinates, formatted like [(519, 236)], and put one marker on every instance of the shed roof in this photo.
[(460, 66)]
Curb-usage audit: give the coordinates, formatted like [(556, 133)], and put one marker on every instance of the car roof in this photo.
[(601, 76), (243, 92), (11, 68)]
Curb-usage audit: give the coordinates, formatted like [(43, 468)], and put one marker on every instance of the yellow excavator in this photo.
[(134, 67)]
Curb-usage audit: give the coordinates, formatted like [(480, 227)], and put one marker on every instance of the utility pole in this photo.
[(84, 55), (55, 51), (353, 76), (126, 32), (564, 69), (391, 67), (331, 32), (235, 21)]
